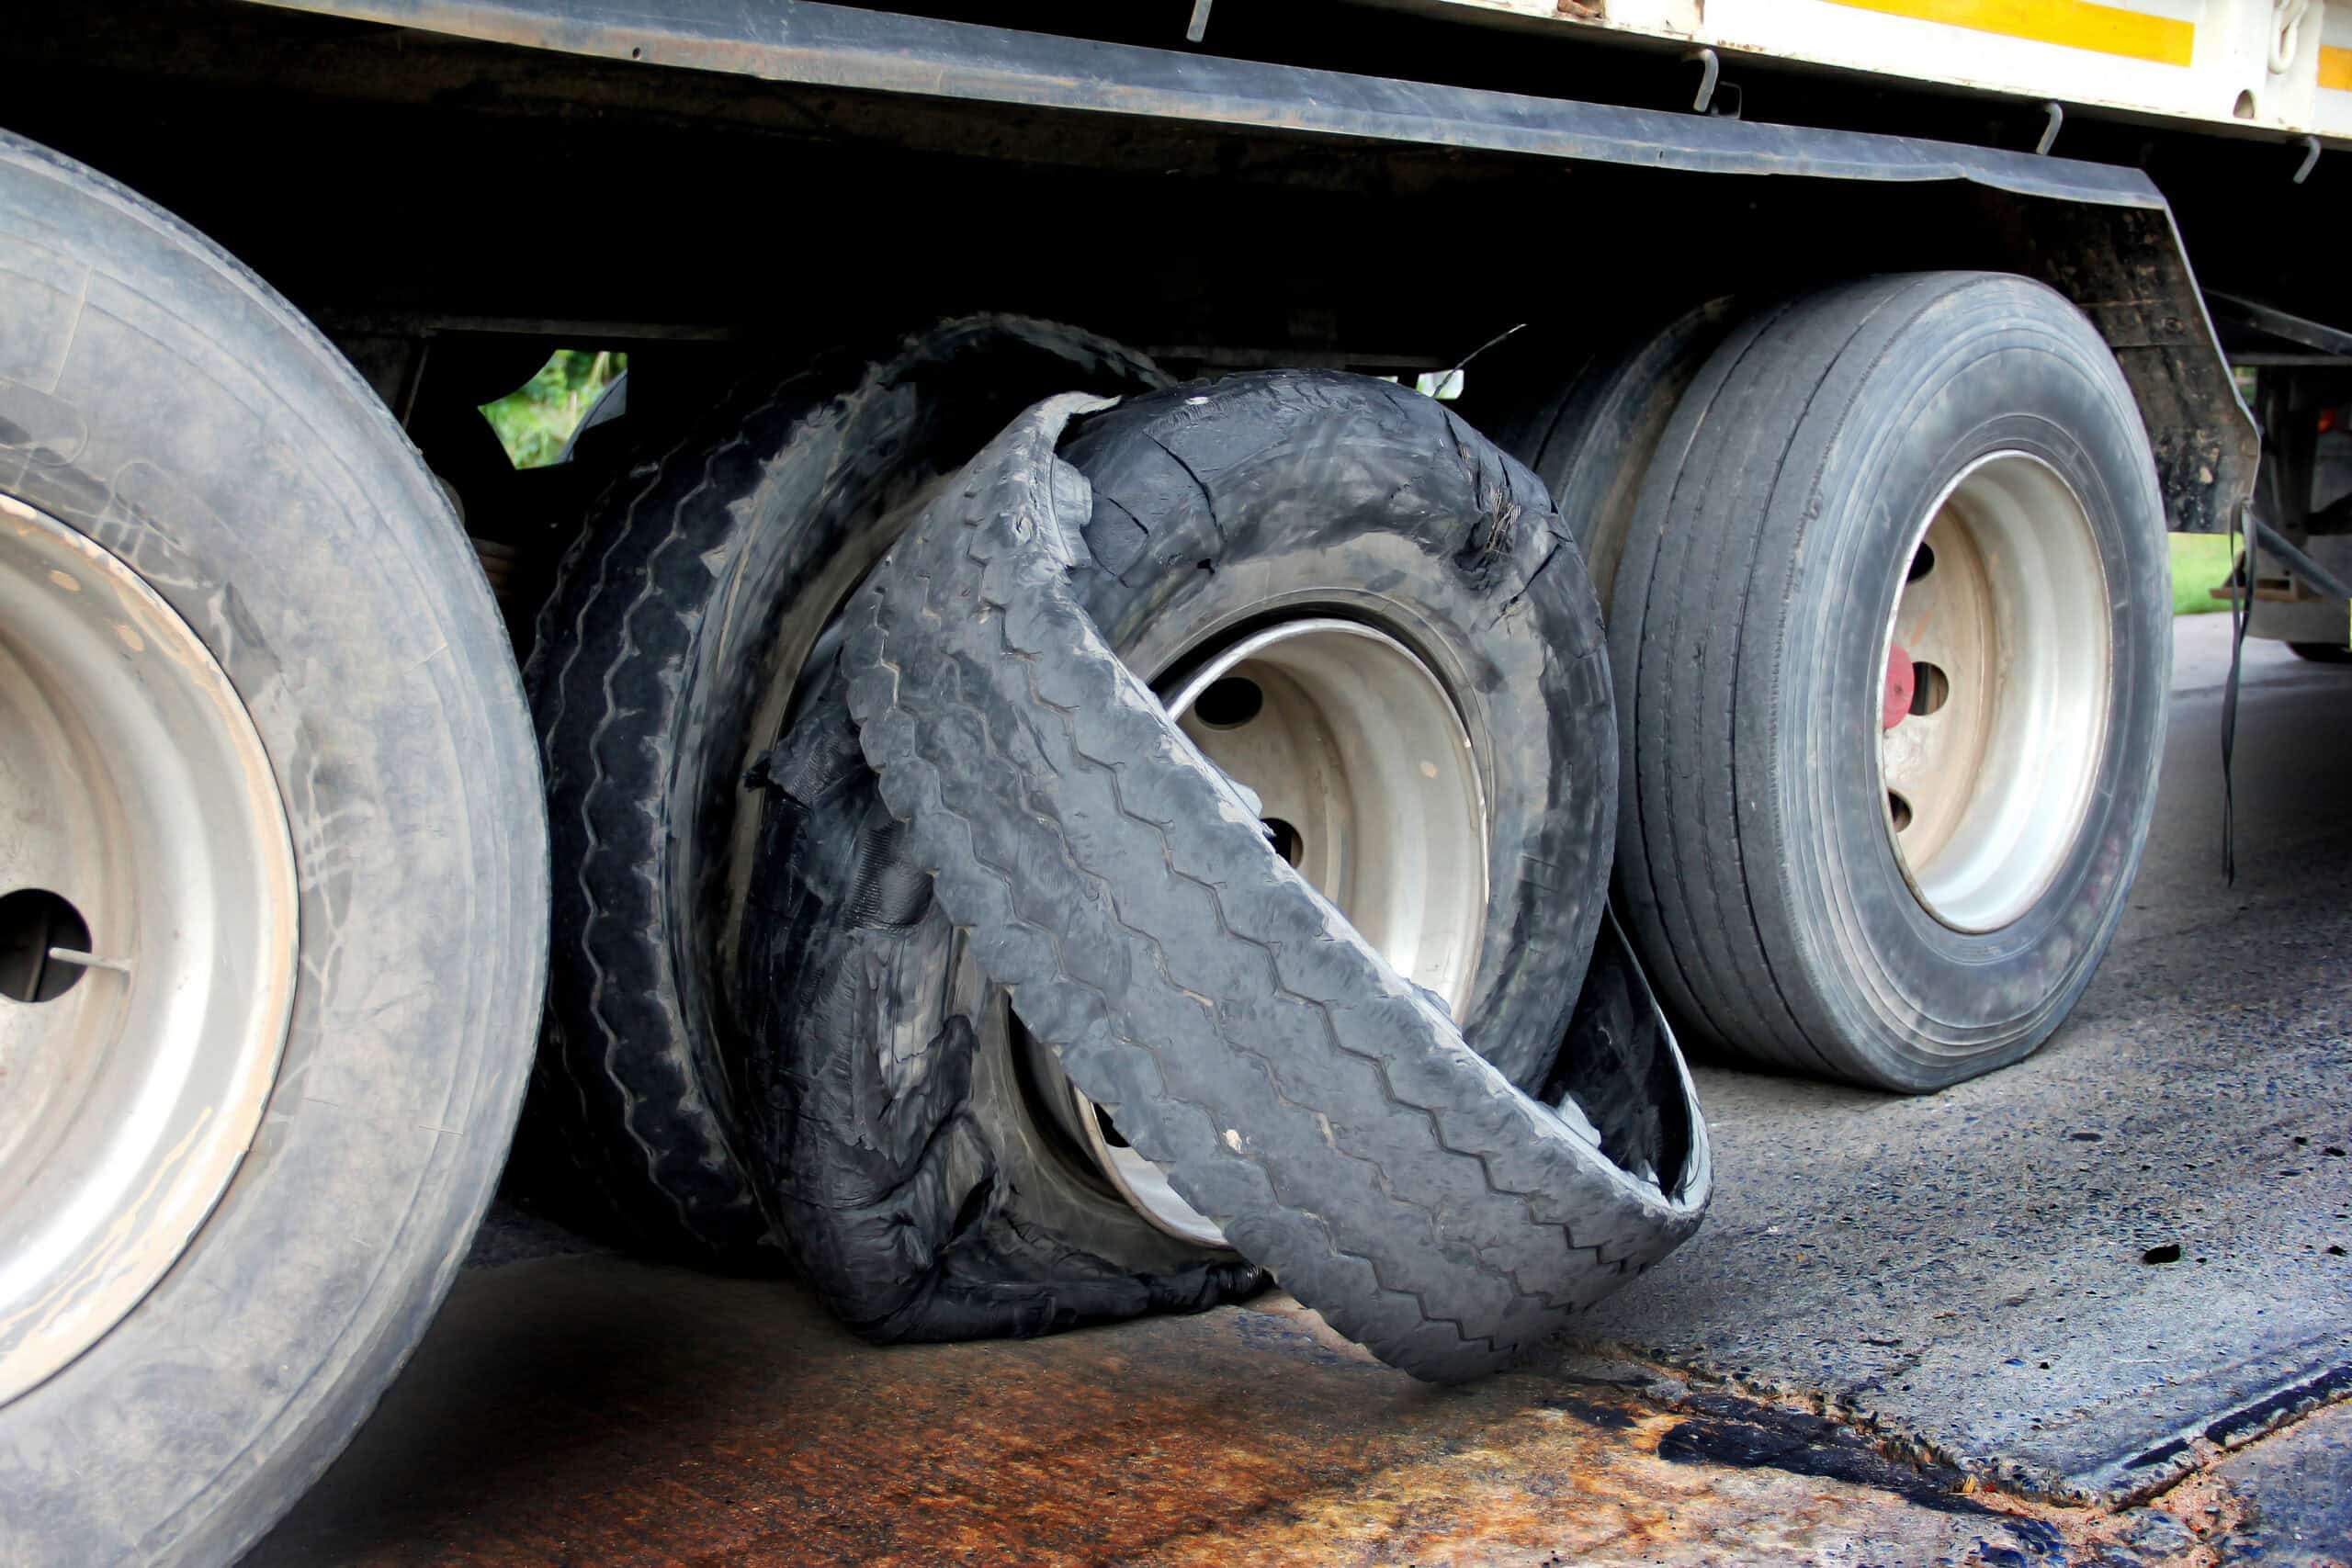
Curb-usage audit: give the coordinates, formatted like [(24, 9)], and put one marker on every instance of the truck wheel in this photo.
[(272, 880), (1890, 643), (1296, 1090), (660, 670), (923, 1185), (1587, 420), (1278, 549)]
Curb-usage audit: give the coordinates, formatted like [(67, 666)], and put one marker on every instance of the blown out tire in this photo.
[(1297, 1089), (160, 404), (661, 669), (1586, 416), (1848, 472), (926, 1183)]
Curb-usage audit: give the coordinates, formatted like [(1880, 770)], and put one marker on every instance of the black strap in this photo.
[(2241, 613)]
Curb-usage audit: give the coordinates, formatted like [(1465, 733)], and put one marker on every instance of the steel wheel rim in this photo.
[(1353, 744), (1988, 770), (137, 805)]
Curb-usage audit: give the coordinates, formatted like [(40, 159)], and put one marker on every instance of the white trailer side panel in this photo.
[(2277, 66)]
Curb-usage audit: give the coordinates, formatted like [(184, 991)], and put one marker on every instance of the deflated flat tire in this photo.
[(1322, 1108), (1359, 610)]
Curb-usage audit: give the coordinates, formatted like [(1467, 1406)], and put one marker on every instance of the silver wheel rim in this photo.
[(137, 806), (2000, 632), (1366, 776)]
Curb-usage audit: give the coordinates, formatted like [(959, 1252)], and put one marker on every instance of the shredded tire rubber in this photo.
[(902, 1159), (703, 570), (1298, 1091), (892, 1111)]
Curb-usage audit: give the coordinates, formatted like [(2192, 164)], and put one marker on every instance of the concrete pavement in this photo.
[(1911, 1332), (1966, 1269)]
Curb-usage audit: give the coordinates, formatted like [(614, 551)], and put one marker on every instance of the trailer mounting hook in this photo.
[(1710, 74), (2057, 114), (1709, 68), (2311, 157)]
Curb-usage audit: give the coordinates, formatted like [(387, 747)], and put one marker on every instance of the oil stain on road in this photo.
[(595, 1410)]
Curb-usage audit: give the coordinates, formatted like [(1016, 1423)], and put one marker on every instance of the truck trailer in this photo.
[(1195, 638)]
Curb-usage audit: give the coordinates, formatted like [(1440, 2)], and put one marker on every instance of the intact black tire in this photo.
[(660, 670), (923, 1187), (1297, 1089), (1586, 415), (1756, 857), (157, 398)]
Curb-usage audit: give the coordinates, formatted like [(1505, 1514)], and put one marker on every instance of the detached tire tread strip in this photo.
[(885, 1113), (1373, 503), (1298, 1091), (902, 1129), (649, 674)]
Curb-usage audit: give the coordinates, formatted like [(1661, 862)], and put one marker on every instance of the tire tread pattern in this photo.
[(1246, 1038), (631, 1095), (1708, 863)]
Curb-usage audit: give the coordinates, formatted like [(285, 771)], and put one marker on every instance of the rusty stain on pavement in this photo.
[(591, 1410)]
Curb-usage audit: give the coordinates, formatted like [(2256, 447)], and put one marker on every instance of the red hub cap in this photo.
[(1896, 701)]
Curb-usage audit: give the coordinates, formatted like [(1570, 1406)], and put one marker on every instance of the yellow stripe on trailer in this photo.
[(2336, 68), (2075, 24)]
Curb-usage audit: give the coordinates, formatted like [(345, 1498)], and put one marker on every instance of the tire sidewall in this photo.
[(1370, 504), (2016, 370), (1502, 623), (1590, 435), (850, 478), (1053, 1187), (190, 423), (695, 605)]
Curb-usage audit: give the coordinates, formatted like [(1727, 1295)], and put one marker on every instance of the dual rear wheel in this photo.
[(1890, 641), (1889, 666), (1357, 611), (765, 1038), (1890, 671)]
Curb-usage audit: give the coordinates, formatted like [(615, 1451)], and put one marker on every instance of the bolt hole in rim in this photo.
[(1988, 769), (39, 931), (1367, 784), (1930, 688), (147, 940)]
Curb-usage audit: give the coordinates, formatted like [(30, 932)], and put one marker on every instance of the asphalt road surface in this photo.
[(1912, 1331)]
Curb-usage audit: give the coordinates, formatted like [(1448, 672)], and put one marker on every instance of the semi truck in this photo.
[(1020, 766)]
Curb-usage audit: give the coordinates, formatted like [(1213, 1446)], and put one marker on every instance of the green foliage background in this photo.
[(2201, 563), (536, 419)]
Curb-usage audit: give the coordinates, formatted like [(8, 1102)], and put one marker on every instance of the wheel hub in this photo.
[(147, 940), (1998, 648), (1901, 680), (1365, 780)]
